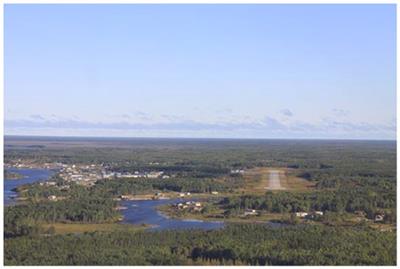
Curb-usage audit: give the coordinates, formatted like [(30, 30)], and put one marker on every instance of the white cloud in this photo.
[(287, 112), (340, 112), (171, 125)]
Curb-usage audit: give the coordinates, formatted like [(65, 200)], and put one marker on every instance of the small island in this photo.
[(12, 175)]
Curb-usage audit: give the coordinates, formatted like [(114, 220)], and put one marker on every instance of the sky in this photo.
[(218, 71)]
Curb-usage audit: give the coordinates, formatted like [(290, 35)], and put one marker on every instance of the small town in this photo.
[(82, 174)]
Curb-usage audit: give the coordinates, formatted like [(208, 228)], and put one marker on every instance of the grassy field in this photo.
[(67, 228), (293, 183)]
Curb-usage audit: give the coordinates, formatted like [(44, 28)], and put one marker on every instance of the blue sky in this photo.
[(245, 71)]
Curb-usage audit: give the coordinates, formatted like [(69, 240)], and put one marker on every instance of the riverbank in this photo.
[(218, 215), (146, 212), (342, 220), (29, 176)]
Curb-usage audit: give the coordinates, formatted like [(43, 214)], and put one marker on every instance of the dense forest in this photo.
[(342, 200), (234, 245), (215, 155), (82, 205), (135, 186)]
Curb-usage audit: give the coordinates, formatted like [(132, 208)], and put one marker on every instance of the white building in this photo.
[(301, 214)]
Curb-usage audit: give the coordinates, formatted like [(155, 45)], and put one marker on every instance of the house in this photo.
[(154, 174), (76, 177), (125, 197), (314, 215), (52, 198), (120, 208), (237, 171), (182, 206), (379, 217), (130, 176), (301, 214), (250, 212)]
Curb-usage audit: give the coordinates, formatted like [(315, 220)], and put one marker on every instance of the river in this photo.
[(136, 212), (30, 176), (144, 211)]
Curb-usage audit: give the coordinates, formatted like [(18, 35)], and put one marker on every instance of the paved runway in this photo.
[(274, 181)]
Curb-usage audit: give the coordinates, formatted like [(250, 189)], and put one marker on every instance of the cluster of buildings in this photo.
[(130, 197), (81, 174), (89, 174), (378, 217), (183, 194), (189, 205), (309, 215), (136, 174), (237, 171), (55, 198), (53, 183), (31, 164)]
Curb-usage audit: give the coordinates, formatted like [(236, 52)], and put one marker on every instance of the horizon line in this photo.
[(194, 138)]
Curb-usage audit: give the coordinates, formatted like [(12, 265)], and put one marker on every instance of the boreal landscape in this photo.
[(133, 201), (200, 134)]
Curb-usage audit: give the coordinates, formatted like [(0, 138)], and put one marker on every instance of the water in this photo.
[(144, 211), (137, 212), (30, 176)]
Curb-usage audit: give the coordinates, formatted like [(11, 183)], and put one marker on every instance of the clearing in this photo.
[(66, 228), (261, 179)]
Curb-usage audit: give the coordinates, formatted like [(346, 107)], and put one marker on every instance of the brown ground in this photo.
[(66, 228)]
